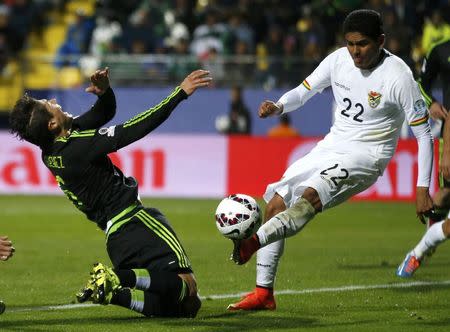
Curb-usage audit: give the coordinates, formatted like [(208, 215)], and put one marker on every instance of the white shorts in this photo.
[(335, 175)]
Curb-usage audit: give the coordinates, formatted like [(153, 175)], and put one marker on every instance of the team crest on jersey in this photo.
[(374, 99)]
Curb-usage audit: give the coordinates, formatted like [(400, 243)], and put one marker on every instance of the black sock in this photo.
[(122, 298), (127, 278)]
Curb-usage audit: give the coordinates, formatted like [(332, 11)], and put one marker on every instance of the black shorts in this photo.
[(147, 241)]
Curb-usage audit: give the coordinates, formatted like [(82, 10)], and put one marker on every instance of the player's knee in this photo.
[(275, 206), (190, 306), (311, 195)]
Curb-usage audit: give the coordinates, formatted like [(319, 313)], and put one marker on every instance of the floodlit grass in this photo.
[(355, 244)]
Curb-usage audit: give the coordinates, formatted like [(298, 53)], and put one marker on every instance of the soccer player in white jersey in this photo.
[(373, 90)]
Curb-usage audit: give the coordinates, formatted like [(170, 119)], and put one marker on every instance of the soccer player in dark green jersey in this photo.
[(152, 274), (436, 64)]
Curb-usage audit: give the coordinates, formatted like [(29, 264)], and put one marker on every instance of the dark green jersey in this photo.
[(80, 161), (437, 63)]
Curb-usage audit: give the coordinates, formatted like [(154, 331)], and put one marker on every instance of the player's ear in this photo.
[(52, 124)]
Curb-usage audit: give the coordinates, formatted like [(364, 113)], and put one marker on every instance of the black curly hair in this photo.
[(366, 21), (29, 119)]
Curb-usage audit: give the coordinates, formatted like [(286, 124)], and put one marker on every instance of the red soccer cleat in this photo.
[(260, 299), (244, 249)]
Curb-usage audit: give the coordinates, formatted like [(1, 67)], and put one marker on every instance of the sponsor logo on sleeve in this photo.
[(107, 131)]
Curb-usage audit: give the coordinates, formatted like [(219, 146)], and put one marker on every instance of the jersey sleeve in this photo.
[(412, 103), (428, 74), (319, 79), (100, 113), (99, 142)]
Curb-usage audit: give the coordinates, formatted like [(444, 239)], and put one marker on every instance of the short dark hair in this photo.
[(29, 119), (366, 21)]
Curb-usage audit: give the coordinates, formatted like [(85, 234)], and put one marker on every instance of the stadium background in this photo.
[(49, 49)]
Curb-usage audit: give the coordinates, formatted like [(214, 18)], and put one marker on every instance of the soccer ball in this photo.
[(238, 216)]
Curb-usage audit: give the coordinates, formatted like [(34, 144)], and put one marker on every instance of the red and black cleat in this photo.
[(260, 299), (244, 249)]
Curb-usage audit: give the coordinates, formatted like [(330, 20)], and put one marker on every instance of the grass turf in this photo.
[(352, 245)]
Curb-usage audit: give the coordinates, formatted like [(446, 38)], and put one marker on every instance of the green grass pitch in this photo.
[(355, 244)]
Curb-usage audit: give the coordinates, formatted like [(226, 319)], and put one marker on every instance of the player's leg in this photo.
[(160, 293), (151, 267), (282, 223), (266, 267), (434, 236), (308, 190)]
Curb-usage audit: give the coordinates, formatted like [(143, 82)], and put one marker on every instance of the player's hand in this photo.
[(438, 111), (268, 108), (444, 165), (197, 79), (424, 203), (99, 82), (6, 248)]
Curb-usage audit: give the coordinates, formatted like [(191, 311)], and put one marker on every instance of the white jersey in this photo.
[(371, 106)]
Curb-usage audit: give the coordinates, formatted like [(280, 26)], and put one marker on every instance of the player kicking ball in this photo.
[(374, 91), (152, 274)]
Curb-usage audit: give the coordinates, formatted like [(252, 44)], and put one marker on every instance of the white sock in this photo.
[(267, 259), (286, 223), (432, 238)]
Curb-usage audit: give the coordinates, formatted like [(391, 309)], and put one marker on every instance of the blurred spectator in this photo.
[(284, 128), (274, 46), (209, 35), (181, 63), (149, 19), (103, 35), (182, 12), (311, 36), (77, 40), (5, 37), (215, 64), (290, 62), (435, 30), (238, 32), (242, 67), (140, 29), (238, 104), (238, 121), (398, 38), (25, 15)]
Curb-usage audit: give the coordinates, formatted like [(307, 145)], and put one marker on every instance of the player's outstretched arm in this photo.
[(104, 108), (6, 248), (119, 136)]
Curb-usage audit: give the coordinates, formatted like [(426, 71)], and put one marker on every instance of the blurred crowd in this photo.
[(284, 36)]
